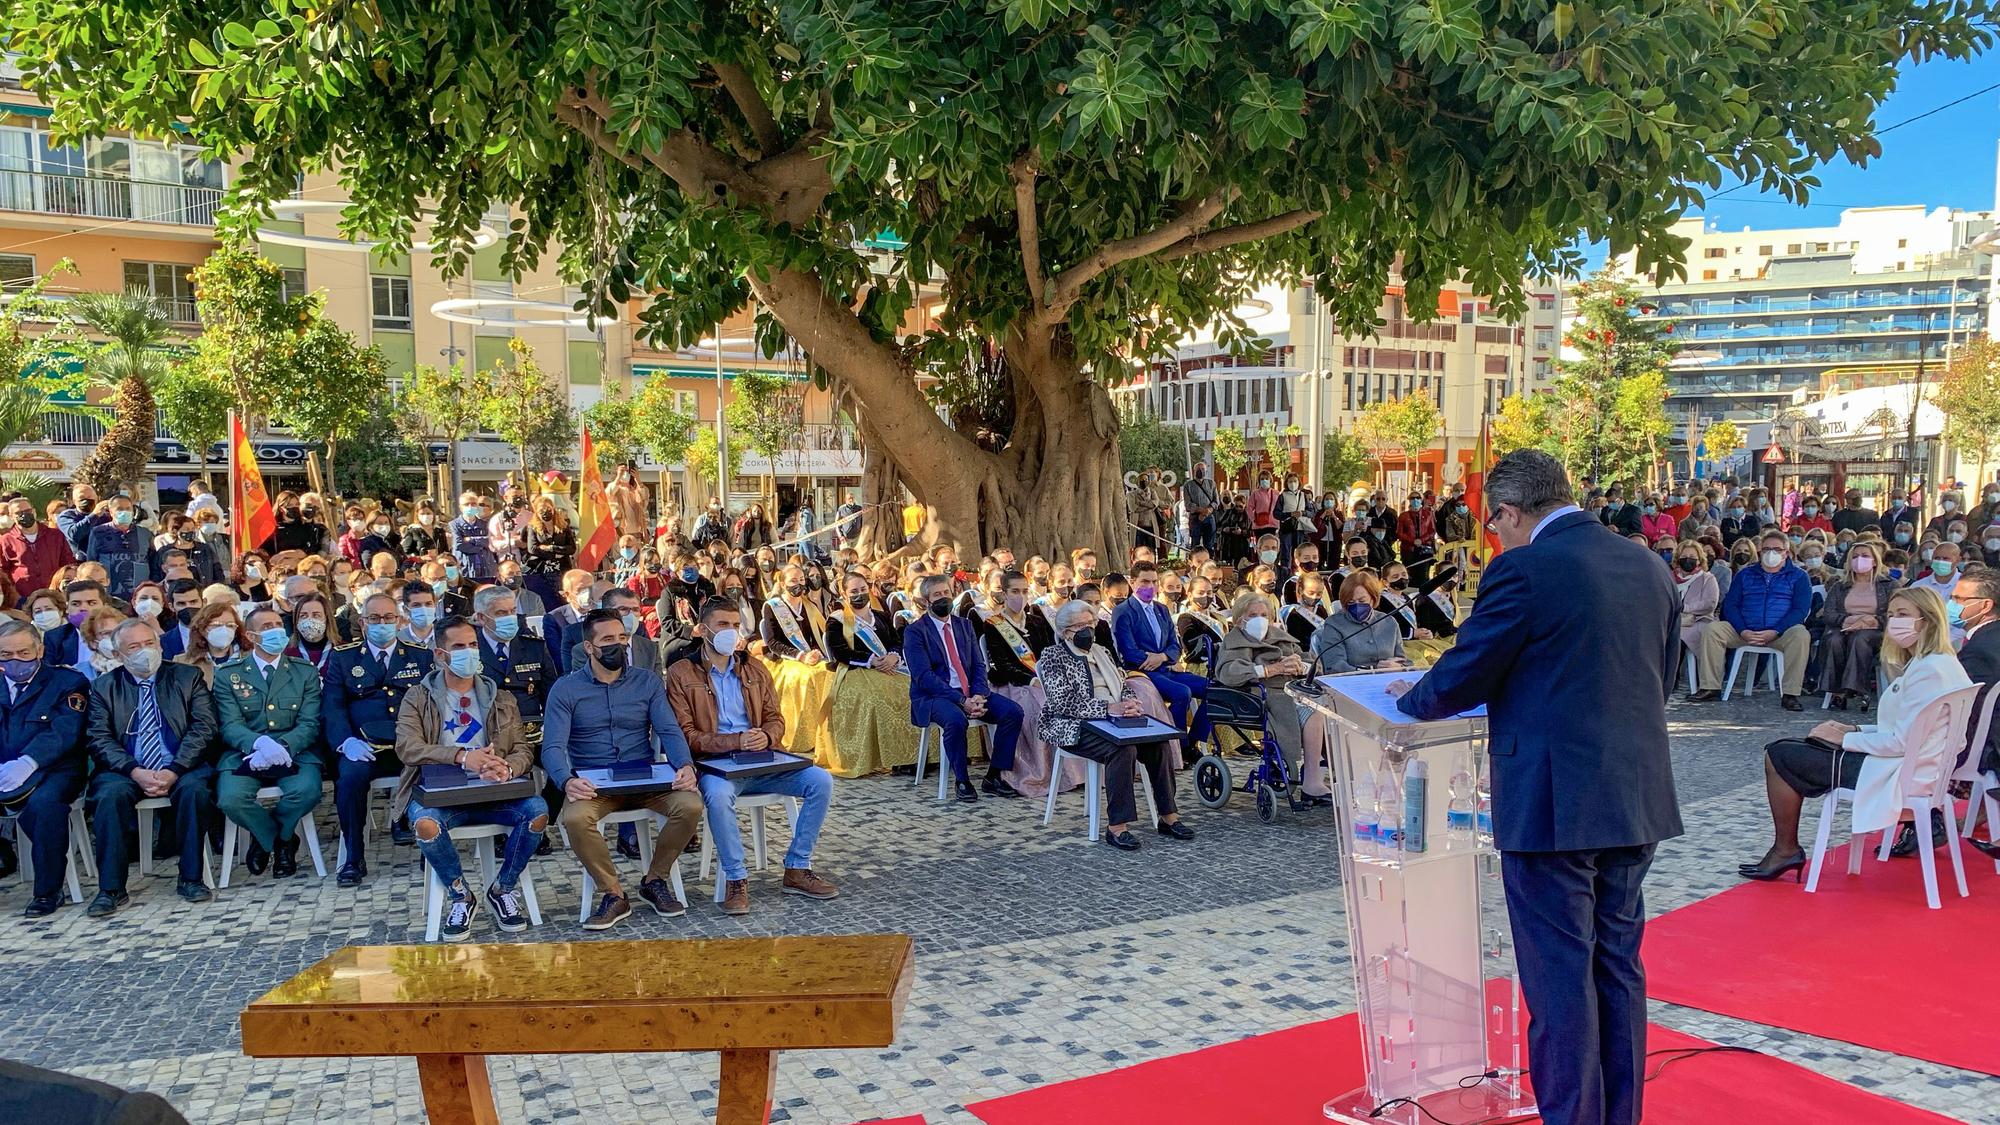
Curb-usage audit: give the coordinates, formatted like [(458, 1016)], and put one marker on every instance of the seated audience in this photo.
[(215, 635), (1014, 640), (1700, 595), (870, 710), (1257, 651), (1856, 606), (948, 689), (641, 652), (791, 636), (1437, 605), (42, 758), (1201, 623), (1766, 605), (1360, 636), (1148, 643), (269, 710), (725, 702), (363, 685)]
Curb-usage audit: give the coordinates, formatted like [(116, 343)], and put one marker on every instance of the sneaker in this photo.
[(106, 904), (661, 896), (458, 912), (507, 912), (736, 897), (802, 881), (611, 910), (193, 890)]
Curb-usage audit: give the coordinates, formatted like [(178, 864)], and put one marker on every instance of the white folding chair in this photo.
[(1923, 777), (1776, 667), (482, 837), (756, 803), (82, 859), (944, 773), (379, 785), (1984, 782), (1093, 790), (648, 822), (145, 809), (1693, 683), (235, 839)]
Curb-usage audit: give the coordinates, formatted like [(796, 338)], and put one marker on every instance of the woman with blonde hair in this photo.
[(1922, 668)]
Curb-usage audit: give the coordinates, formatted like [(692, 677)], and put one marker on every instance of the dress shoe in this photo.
[(285, 862), (1838, 702), (629, 848), (1775, 869), (693, 845), (1123, 841), (1705, 695), (40, 907), (966, 792), (255, 859), (193, 890), (545, 848), (350, 875), (1791, 703), (106, 904), (996, 786), (1988, 848), (1906, 836), (1177, 830), (400, 834)]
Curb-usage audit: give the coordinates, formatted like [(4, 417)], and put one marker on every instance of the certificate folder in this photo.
[(631, 777), (750, 763), (440, 785), (1149, 730)]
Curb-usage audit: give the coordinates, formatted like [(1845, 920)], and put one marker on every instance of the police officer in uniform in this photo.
[(364, 684), (42, 760), (269, 707), (517, 659)]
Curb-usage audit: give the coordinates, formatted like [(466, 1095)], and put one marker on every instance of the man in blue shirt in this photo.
[(1766, 606), (605, 713), (122, 547), (726, 702), (471, 539)]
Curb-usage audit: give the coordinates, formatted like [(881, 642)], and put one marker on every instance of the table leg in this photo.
[(457, 1090), (748, 1080)]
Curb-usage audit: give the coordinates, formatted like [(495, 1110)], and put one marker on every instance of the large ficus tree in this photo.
[(1079, 181)]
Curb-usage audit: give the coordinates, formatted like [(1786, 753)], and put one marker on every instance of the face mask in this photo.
[(184, 616), (1953, 612), (1904, 630), (725, 641), (1895, 573), (1357, 561), (690, 575), (1796, 539), (469, 511), (732, 592), (1941, 568), (1948, 505), (1399, 584), (1736, 513), (143, 663), (124, 519), (1676, 501), (1268, 586), (512, 582), (1263, 482), (1651, 509), (1267, 557), (421, 616), (1613, 505), (462, 661), (1956, 537), (427, 519), (76, 616), (1145, 594), (1810, 510), (439, 587), (940, 608), (1014, 603), (20, 671), (252, 571), (380, 634), (1774, 559), (1307, 566), (1902, 538), (1360, 611), (271, 642), (104, 647), (627, 553), (146, 607), (1416, 505), (857, 601), (612, 657), (507, 628), (1992, 545), (1689, 566), (631, 622), (1083, 639), (1256, 627), (815, 581), (795, 589), (220, 637), (312, 629), (1812, 562), (27, 521)]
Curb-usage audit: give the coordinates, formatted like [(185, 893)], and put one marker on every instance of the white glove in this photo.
[(269, 752), (355, 750), (16, 773)]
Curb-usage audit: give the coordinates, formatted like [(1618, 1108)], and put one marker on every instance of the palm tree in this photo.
[(131, 358)]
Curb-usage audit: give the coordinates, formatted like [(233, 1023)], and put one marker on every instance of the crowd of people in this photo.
[(145, 658)]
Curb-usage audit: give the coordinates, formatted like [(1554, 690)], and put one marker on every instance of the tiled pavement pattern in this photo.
[(1040, 958)]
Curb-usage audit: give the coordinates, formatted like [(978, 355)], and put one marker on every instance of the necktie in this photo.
[(951, 654), (146, 729), (501, 653)]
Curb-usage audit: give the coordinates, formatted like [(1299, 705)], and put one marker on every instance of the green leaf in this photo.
[(238, 35)]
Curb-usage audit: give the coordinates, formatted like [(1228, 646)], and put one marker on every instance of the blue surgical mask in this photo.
[(379, 635), (631, 621), (507, 628), (451, 574), (1902, 537), (1953, 612), (1941, 567), (421, 616), (122, 519), (690, 574), (20, 671), (627, 553), (1651, 510), (1360, 611), (272, 641), (463, 661), (1736, 512)]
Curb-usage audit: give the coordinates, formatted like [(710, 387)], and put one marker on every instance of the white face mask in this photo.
[(146, 607), (1774, 559), (143, 663), (725, 641), (1256, 627), (220, 637)]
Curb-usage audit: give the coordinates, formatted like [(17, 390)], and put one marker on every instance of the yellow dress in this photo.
[(870, 723), (804, 691)]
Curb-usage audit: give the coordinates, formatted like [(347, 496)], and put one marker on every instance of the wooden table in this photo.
[(450, 1006)]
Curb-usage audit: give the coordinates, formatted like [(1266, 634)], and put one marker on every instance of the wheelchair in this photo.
[(1270, 780)]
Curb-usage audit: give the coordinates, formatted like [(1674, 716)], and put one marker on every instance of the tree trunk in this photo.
[(332, 483)]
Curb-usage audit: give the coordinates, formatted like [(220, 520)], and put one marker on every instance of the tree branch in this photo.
[(1023, 172), (743, 91), (593, 130), (1189, 218), (1242, 232)]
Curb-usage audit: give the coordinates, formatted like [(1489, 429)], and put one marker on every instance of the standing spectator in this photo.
[(1200, 495), (1416, 536), (712, 526), (200, 499), (470, 539), (1261, 506), (548, 548), (751, 530), (1766, 605), (31, 554), (422, 536), (1152, 511), (122, 548), (204, 565), (503, 530), (76, 520), (1232, 528), (1855, 516), (1987, 513), (354, 528), (1948, 506), (1810, 517), (1655, 522), (1294, 515), (847, 524), (380, 540), (298, 529), (1901, 511), (629, 501)]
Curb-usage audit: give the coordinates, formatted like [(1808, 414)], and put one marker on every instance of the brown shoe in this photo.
[(802, 881), (736, 897), (660, 896)]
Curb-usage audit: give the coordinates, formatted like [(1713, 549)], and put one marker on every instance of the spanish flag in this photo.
[(1475, 496), (252, 521), (596, 534)]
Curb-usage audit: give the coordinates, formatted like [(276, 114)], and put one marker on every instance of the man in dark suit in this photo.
[(184, 599), (1570, 615), (362, 687), (151, 729), (29, 1093), (640, 651), (1978, 598), (41, 754), (948, 689), (1147, 643), (560, 619)]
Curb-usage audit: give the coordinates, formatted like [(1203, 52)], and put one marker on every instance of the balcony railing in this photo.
[(74, 429), (97, 196)]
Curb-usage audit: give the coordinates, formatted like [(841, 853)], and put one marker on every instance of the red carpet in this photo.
[(1283, 1078), (1863, 960), (917, 1120)]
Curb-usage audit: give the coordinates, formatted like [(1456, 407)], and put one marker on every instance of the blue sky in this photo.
[(1944, 160)]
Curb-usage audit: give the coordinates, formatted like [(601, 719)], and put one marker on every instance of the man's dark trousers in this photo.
[(118, 796), (1582, 914)]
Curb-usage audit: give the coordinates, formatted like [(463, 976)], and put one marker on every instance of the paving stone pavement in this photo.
[(1041, 957)]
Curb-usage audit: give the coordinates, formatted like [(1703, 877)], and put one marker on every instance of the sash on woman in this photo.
[(788, 623)]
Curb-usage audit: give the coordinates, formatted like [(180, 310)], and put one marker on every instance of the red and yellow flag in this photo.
[(1475, 495), (596, 534), (252, 520)]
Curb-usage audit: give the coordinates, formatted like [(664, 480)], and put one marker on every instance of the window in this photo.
[(1765, 250), (1902, 244), (1793, 247), (389, 301), (294, 285), (165, 282), (1708, 275), (16, 270), (1715, 252)]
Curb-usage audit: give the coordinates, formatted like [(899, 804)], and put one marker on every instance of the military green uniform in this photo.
[(284, 707)]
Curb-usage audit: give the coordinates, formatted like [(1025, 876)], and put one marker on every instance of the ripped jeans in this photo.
[(522, 840)]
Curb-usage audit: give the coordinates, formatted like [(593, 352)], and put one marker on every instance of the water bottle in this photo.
[(1483, 818), (1416, 812), (1363, 802), (1388, 810), (1459, 813)]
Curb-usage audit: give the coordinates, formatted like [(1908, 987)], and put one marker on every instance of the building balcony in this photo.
[(94, 195), (1969, 293)]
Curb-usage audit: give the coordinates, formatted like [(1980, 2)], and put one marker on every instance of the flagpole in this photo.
[(235, 491)]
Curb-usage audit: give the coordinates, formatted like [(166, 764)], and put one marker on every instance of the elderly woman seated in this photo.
[(1081, 680), (1359, 636), (1917, 655), (1257, 651)]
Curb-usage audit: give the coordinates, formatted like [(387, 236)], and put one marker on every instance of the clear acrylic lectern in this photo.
[(1442, 1026)]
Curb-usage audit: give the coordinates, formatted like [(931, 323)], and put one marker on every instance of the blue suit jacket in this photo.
[(1571, 647), (1128, 632), (930, 671)]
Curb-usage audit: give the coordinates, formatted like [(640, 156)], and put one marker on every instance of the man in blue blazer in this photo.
[(1570, 616), (1147, 641), (948, 688)]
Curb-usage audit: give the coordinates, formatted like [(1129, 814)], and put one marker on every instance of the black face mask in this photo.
[(1357, 561), (612, 657), (1688, 565), (1083, 639), (796, 589), (1267, 587), (1400, 584), (185, 614), (940, 607), (1307, 566), (815, 582), (732, 591), (858, 601)]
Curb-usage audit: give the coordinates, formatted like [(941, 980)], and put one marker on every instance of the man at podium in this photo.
[(1569, 617)]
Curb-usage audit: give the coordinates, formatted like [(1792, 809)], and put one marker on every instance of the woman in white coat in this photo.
[(1917, 652)]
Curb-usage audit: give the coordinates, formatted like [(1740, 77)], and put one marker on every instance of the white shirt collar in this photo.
[(264, 663), (1559, 513)]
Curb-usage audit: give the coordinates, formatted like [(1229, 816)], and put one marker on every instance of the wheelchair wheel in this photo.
[(1212, 783), (1267, 804)]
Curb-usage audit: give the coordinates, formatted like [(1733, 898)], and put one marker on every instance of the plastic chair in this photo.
[(82, 858), (1923, 779), (481, 837), (648, 822), (757, 803), (146, 807), (1777, 667), (944, 774), (1984, 782), (233, 838), (379, 785), (1689, 663), (1093, 789)]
